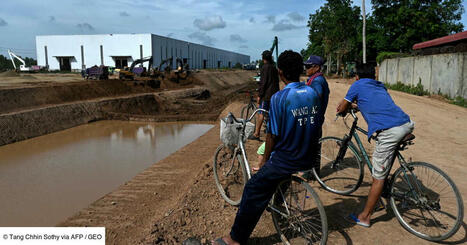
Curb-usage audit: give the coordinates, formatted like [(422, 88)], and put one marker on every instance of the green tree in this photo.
[(5, 64), (398, 25), (334, 31)]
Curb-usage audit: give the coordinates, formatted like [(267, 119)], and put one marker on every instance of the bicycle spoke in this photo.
[(434, 197)]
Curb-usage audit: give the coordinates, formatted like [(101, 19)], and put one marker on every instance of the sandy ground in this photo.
[(176, 198)]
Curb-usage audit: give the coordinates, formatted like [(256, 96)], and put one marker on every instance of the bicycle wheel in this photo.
[(426, 201), (340, 177), (298, 214), (230, 174)]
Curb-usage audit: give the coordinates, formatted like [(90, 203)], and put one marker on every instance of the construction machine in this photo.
[(275, 46), (169, 65), (22, 67), (138, 71), (96, 72)]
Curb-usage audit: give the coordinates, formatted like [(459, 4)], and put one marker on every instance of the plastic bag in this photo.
[(230, 131)]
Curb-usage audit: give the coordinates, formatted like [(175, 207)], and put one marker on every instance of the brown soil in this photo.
[(30, 109), (176, 198)]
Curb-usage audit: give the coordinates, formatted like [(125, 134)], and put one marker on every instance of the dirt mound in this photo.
[(9, 74), (223, 80), (30, 97)]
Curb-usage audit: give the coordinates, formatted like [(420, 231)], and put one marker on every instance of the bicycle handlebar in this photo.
[(248, 119), (254, 113)]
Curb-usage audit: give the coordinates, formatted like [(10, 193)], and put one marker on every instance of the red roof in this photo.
[(441, 40)]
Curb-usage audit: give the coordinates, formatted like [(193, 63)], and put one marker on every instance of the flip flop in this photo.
[(219, 241), (353, 219), (252, 137)]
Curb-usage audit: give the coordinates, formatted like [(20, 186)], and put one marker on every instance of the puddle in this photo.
[(46, 179)]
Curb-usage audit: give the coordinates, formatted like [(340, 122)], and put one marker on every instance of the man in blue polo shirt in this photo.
[(386, 120), (292, 137)]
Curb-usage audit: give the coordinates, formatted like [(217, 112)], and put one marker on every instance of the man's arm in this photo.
[(343, 107), (270, 143)]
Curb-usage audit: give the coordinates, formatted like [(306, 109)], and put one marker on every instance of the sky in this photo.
[(243, 26)]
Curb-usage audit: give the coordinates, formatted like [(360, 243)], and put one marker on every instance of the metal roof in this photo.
[(442, 40)]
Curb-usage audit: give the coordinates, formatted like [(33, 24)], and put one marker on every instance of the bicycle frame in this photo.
[(241, 145), (354, 129)]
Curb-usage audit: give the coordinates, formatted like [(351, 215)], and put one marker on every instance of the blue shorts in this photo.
[(264, 105)]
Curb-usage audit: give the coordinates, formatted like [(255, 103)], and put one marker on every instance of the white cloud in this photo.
[(210, 23), (285, 25), (202, 37)]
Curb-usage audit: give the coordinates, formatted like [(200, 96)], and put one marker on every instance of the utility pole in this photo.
[(364, 32)]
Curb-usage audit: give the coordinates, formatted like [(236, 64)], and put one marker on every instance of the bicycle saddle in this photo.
[(408, 137)]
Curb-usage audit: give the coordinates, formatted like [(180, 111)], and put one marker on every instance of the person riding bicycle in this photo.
[(386, 120), (290, 145), (268, 85), (317, 81)]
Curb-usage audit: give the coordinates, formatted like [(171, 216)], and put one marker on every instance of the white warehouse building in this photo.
[(75, 52)]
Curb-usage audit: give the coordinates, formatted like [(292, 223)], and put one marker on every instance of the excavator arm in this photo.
[(23, 66), (275, 46), (139, 61)]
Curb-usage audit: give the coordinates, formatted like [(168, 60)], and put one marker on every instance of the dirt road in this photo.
[(176, 198)]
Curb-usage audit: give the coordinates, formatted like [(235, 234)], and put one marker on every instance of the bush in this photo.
[(238, 66), (459, 101)]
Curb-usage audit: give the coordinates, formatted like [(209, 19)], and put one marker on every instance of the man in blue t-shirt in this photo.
[(386, 120), (294, 123)]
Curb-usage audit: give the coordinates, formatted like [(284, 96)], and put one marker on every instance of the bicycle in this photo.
[(419, 193), (252, 106), (296, 209)]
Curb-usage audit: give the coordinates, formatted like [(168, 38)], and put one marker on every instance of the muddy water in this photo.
[(46, 179)]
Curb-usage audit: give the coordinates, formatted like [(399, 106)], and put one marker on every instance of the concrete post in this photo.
[(46, 57), (83, 66)]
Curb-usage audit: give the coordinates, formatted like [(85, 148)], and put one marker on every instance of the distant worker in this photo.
[(386, 120), (268, 85), (317, 81), (290, 144)]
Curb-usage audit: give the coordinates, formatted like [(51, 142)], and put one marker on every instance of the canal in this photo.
[(46, 179)]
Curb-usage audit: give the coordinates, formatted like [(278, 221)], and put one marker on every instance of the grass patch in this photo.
[(416, 90), (420, 91), (459, 101)]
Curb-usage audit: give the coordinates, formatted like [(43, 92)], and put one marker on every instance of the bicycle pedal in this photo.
[(268, 209)]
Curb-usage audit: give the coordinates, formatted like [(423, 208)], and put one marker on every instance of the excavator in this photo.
[(138, 71), (22, 67)]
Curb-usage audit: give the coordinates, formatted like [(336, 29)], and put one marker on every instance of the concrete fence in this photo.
[(445, 73)]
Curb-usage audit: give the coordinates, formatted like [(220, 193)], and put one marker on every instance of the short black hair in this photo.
[(291, 65), (267, 55), (366, 70)]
